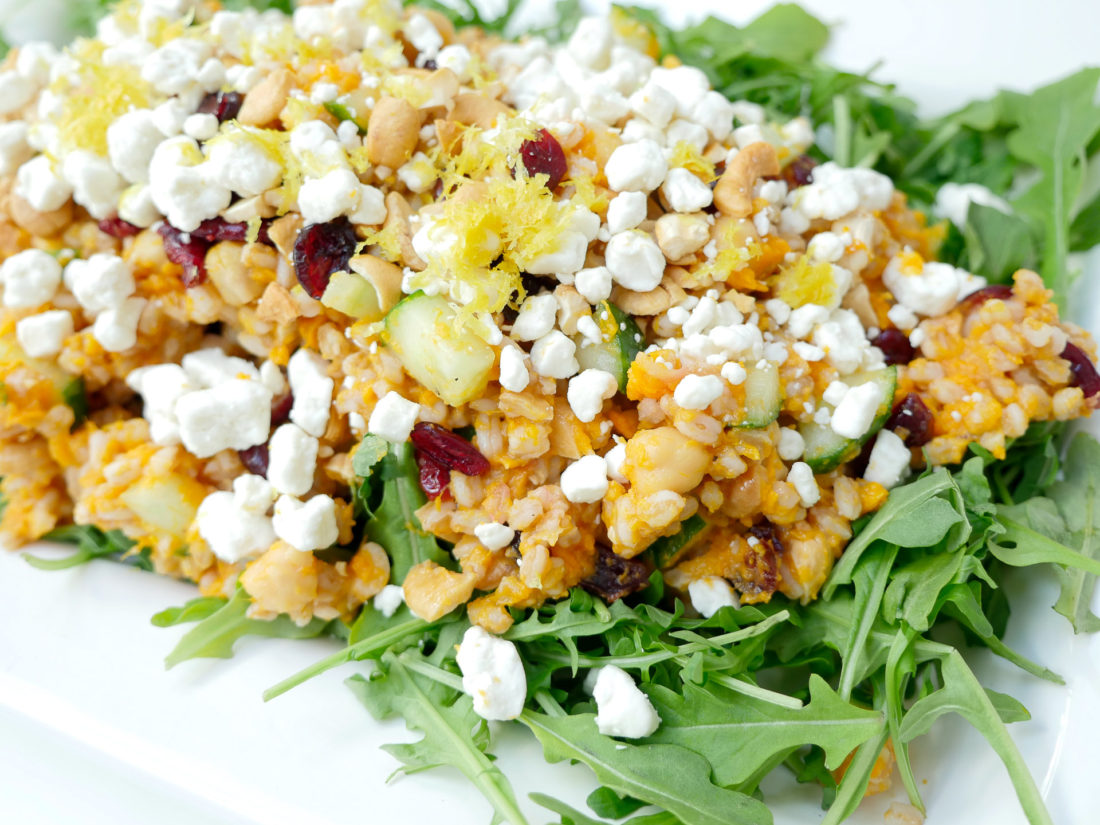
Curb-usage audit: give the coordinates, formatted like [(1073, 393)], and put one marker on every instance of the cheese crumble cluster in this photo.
[(235, 243)]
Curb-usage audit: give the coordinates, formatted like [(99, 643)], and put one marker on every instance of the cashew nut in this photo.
[(733, 193), (392, 132)]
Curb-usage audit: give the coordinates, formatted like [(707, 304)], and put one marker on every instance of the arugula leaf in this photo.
[(853, 786), (215, 635), (610, 805), (963, 694), (92, 543), (362, 646), (737, 734), (673, 777), (393, 522), (75, 396), (997, 244), (569, 815), (193, 611), (1078, 498), (913, 516), (1054, 128), (453, 734)]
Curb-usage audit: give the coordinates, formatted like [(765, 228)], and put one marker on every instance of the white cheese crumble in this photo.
[(889, 462), (306, 525), (636, 167), (30, 279), (622, 709), (292, 459), (44, 334), (853, 416), (697, 392), (312, 389), (710, 594), (492, 675), (393, 417), (802, 477), (234, 415), (494, 535), (554, 355), (587, 392), (536, 317), (635, 261), (389, 599), (231, 531), (585, 480), (514, 376)]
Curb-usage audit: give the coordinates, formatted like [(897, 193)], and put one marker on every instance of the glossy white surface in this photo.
[(93, 730)]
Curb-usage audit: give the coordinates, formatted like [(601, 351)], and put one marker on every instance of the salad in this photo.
[(568, 384)]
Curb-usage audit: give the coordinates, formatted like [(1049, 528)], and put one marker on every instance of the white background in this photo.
[(93, 730)]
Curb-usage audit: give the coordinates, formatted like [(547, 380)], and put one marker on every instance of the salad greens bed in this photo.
[(781, 684)]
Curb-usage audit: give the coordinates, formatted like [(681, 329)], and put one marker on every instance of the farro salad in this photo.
[(666, 391)]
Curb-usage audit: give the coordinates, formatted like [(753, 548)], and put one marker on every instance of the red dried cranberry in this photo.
[(911, 420), (255, 459), (186, 250), (222, 105), (434, 477), (450, 450), (118, 228), (320, 250), (430, 64), (1001, 292), (895, 346), (799, 171), (1083, 370), (280, 408), (544, 156), (213, 230)]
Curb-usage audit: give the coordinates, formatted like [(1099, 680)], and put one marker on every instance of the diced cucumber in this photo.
[(668, 550), (167, 502), (825, 449), (424, 332), (353, 295), (622, 341), (763, 395)]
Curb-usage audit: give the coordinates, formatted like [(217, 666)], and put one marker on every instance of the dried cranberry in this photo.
[(186, 250), (255, 459), (222, 105), (320, 250), (799, 171), (895, 346), (1001, 292), (615, 576), (213, 230), (544, 156), (911, 420), (118, 228), (1083, 370), (449, 450), (430, 64), (434, 477), (280, 408)]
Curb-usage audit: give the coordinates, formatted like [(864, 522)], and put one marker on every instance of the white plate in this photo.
[(93, 730)]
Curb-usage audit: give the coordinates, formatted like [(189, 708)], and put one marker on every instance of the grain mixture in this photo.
[(621, 322)]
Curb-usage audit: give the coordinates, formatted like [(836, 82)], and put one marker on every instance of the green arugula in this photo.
[(92, 543), (387, 497), (737, 734), (453, 734), (670, 776), (215, 634)]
